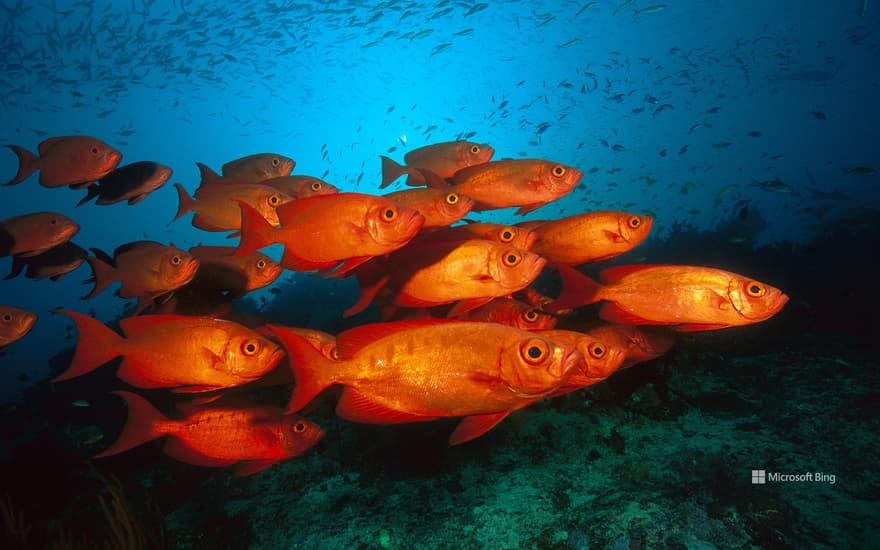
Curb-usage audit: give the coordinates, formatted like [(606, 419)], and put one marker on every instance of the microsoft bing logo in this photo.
[(759, 477)]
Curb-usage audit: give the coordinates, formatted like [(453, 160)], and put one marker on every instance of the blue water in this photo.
[(183, 82)]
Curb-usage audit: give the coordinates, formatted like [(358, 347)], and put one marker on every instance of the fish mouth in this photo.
[(415, 222), (573, 363)]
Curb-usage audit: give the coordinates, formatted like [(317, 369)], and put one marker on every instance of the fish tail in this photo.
[(429, 178), (256, 232), (186, 204), (391, 170), (91, 192), (577, 289), (95, 346), (27, 164), (310, 368), (140, 427), (103, 273)]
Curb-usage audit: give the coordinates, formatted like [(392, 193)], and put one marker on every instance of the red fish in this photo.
[(146, 270), (220, 269), (469, 272), (687, 298), (639, 343), (589, 237), (216, 206), (516, 237), (66, 160), (251, 437), (15, 323), (442, 160), (439, 207), (188, 354), (600, 359), (301, 187), (259, 167), (414, 371), (29, 235), (512, 313), (338, 231), (525, 183)]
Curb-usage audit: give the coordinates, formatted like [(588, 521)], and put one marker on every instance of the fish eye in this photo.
[(261, 263), (176, 260), (299, 427), (94, 151), (7, 317), (534, 351), (511, 258), (506, 236), (475, 149), (389, 214), (558, 171), (755, 290), (635, 222), (274, 200), (53, 221), (597, 350), (316, 186), (275, 162), (530, 316), (250, 347), (452, 198)]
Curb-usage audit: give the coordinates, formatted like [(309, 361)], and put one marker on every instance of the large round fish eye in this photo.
[(176, 260), (511, 258), (755, 289), (559, 171), (299, 427), (274, 200), (635, 221), (475, 149), (452, 198), (251, 347), (389, 214), (275, 162), (597, 350), (506, 235), (531, 316), (534, 351), (316, 186), (261, 263)]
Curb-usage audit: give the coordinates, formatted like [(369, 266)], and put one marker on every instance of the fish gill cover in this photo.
[(743, 137)]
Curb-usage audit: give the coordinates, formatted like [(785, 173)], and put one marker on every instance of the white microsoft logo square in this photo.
[(759, 477)]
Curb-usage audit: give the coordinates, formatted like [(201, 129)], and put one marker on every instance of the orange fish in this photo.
[(440, 159), (14, 324), (320, 233), (146, 270), (589, 237), (526, 183), (685, 297), (517, 237), (216, 206), (282, 375), (469, 272), (413, 371), (600, 359), (259, 167), (66, 160), (220, 269), (28, 235), (301, 187), (512, 313), (252, 437), (189, 354), (639, 343), (439, 207)]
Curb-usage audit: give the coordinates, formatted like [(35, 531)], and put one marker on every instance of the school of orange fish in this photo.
[(464, 334)]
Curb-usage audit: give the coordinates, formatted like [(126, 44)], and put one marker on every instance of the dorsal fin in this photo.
[(47, 144), (353, 340), (132, 327), (615, 274), (208, 175), (127, 247)]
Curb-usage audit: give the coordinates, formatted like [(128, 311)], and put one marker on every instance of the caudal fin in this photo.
[(140, 426), (27, 164), (256, 232), (577, 289), (103, 274), (312, 372), (185, 203), (391, 170), (96, 344)]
